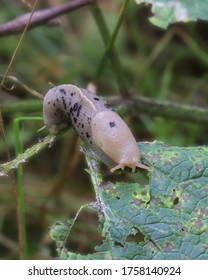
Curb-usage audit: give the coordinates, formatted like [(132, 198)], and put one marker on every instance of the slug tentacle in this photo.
[(107, 135)]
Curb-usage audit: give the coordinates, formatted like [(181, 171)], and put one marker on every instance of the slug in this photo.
[(97, 124)]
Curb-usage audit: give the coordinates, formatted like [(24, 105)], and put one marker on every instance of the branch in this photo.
[(22, 158), (13, 86), (168, 110), (40, 17), (132, 105)]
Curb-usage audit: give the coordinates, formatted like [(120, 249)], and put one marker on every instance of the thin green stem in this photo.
[(5, 168), (60, 232), (98, 183), (24, 106), (95, 174), (109, 41), (112, 39), (20, 199), (20, 196), (197, 50), (162, 108)]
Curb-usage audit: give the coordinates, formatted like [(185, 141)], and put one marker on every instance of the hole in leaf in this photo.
[(176, 201), (119, 244), (84, 235), (136, 238)]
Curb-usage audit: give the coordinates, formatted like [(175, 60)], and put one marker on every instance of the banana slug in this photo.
[(104, 131)]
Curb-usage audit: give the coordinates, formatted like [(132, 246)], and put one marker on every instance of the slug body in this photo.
[(107, 135)]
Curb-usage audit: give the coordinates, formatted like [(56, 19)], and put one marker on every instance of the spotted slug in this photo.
[(98, 125)]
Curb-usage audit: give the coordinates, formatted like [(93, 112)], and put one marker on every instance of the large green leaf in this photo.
[(167, 219), (170, 11)]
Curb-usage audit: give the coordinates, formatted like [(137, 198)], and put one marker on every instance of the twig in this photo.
[(94, 171), (40, 17), (13, 86), (137, 105), (166, 109), (22, 158), (5, 168)]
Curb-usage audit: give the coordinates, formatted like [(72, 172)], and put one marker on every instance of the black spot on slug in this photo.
[(75, 107), (87, 135), (49, 102), (54, 104), (107, 106), (60, 112), (89, 120), (75, 120), (71, 111), (64, 102), (112, 124), (57, 99), (62, 91), (78, 110), (96, 98), (72, 94)]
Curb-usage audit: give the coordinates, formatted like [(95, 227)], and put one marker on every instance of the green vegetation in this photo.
[(157, 80)]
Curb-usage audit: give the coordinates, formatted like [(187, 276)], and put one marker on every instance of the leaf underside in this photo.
[(166, 12), (170, 215)]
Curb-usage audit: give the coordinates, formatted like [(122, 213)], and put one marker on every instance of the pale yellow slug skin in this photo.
[(114, 137), (106, 134)]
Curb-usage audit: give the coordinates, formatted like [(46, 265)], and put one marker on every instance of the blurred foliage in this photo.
[(55, 182)]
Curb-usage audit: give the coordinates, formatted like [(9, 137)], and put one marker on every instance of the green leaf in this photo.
[(170, 11), (167, 219)]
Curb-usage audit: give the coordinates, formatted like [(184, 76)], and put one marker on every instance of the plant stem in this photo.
[(169, 110), (196, 49), (41, 17), (13, 86), (20, 192), (22, 238), (5, 168), (23, 107), (109, 42), (94, 171), (138, 105)]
